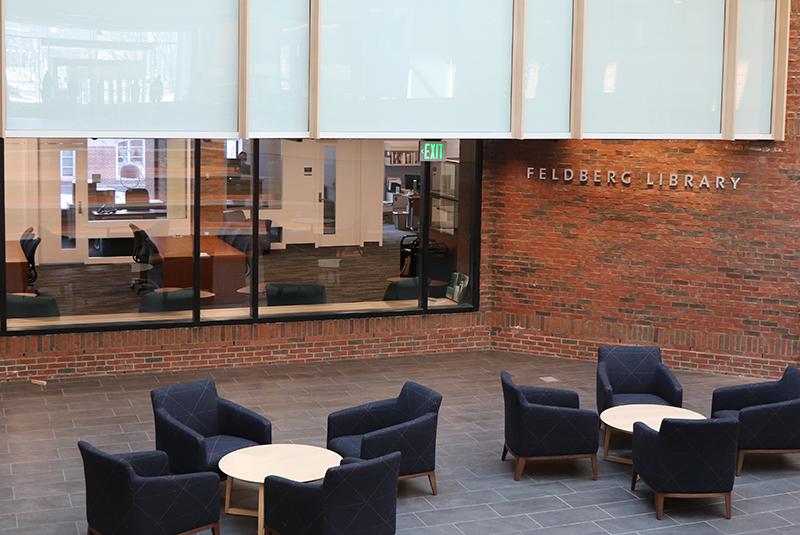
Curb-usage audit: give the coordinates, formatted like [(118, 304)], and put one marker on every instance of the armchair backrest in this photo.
[(700, 455), (108, 488), (193, 404), (789, 385), (631, 369), (416, 400), (513, 409), (361, 498), (296, 294)]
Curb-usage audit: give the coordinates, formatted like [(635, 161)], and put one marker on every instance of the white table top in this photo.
[(291, 461), (623, 417)]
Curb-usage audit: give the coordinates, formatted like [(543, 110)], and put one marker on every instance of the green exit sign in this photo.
[(432, 151)]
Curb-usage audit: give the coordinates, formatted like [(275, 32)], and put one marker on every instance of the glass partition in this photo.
[(654, 68), (88, 244), (548, 67), (754, 70), (91, 67), (279, 63), (429, 69)]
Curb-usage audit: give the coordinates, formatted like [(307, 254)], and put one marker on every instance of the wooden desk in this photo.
[(16, 268), (223, 267)]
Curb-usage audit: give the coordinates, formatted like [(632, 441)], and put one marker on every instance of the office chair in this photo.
[(143, 248), (30, 243)]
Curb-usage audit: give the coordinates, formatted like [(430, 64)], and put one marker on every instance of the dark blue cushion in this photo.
[(734, 415), (295, 294), (221, 445), (347, 446), (192, 404), (637, 399), (416, 400), (631, 369)]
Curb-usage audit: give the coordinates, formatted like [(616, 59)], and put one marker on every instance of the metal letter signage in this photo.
[(670, 181)]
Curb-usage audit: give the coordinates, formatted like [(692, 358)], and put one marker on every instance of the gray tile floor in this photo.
[(41, 487)]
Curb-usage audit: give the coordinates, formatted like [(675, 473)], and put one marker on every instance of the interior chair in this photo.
[(197, 428), (768, 415), (356, 498), (24, 306), (401, 211), (236, 216), (686, 459), (143, 247), (407, 289), (137, 199), (295, 294), (544, 424), (134, 493), (628, 375), (175, 301), (30, 244), (406, 424)]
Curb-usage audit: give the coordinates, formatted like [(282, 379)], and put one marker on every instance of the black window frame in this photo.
[(255, 318)]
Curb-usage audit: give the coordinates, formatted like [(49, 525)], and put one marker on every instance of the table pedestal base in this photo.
[(606, 447), (240, 511)]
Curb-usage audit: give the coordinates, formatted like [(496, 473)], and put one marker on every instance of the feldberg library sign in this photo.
[(600, 177)]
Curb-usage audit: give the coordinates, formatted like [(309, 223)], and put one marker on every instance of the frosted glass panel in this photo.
[(278, 67), (755, 67), (100, 67), (548, 66), (653, 67), (416, 67)]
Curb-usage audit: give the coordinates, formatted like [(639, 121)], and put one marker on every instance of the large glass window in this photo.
[(279, 68), (755, 65), (96, 67), (341, 227), (75, 256), (429, 69), (653, 68), (548, 67)]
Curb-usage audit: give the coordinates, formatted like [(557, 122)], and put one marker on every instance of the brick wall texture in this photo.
[(711, 275)]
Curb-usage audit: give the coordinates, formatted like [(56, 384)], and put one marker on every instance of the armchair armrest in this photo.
[(604, 390), (770, 426), (362, 419), (736, 398), (147, 463), (668, 387), (560, 430), (554, 397), (241, 422), (645, 448), (415, 440), (184, 445), (292, 507), (180, 503)]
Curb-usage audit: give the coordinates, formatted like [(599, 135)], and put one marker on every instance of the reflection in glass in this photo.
[(71, 261), (94, 66)]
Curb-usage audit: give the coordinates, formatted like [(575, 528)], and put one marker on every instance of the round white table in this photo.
[(291, 461), (622, 418)]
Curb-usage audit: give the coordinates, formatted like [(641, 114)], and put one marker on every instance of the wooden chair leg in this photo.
[(659, 506), (595, 471), (505, 453), (634, 480), (519, 469), (729, 505), (740, 463), (215, 529), (432, 480)]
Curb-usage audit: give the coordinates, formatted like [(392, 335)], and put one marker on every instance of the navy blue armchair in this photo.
[(768, 415), (197, 428), (356, 498), (546, 424), (133, 494), (686, 459), (406, 424), (628, 375)]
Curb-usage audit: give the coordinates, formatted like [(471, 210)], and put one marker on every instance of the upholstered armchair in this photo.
[(406, 424), (545, 424), (133, 494), (629, 375), (768, 414), (197, 428), (686, 459), (356, 498)]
